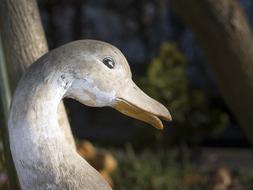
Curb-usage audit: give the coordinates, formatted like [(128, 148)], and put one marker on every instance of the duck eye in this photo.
[(108, 61)]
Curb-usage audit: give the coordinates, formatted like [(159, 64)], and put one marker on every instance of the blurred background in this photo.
[(205, 145)]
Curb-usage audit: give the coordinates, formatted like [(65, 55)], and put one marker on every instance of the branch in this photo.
[(223, 32)]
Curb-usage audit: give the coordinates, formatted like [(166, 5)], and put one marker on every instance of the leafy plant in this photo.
[(193, 116), (146, 171), (160, 170)]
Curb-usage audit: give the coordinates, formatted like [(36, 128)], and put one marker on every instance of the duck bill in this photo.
[(133, 102)]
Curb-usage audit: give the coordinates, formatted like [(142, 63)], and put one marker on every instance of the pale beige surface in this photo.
[(43, 158)]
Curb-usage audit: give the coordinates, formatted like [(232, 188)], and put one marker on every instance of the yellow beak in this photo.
[(133, 102)]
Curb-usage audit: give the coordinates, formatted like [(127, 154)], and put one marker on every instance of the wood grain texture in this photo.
[(24, 42), (41, 155), (223, 32)]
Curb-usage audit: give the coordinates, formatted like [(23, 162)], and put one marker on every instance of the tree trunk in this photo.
[(23, 43), (4, 107), (223, 32)]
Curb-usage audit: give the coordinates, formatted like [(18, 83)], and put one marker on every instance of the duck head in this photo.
[(102, 77)]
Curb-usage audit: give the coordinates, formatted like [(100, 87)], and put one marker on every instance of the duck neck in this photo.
[(34, 108), (43, 158), (38, 143)]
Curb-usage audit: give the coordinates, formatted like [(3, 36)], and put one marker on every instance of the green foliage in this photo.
[(167, 82), (161, 170), (146, 171)]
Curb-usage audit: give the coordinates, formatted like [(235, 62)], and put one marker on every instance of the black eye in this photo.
[(108, 61)]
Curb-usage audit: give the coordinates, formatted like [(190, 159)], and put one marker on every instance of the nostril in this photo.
[(63, 77)]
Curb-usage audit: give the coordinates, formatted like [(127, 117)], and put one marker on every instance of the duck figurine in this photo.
[(92, 72)]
